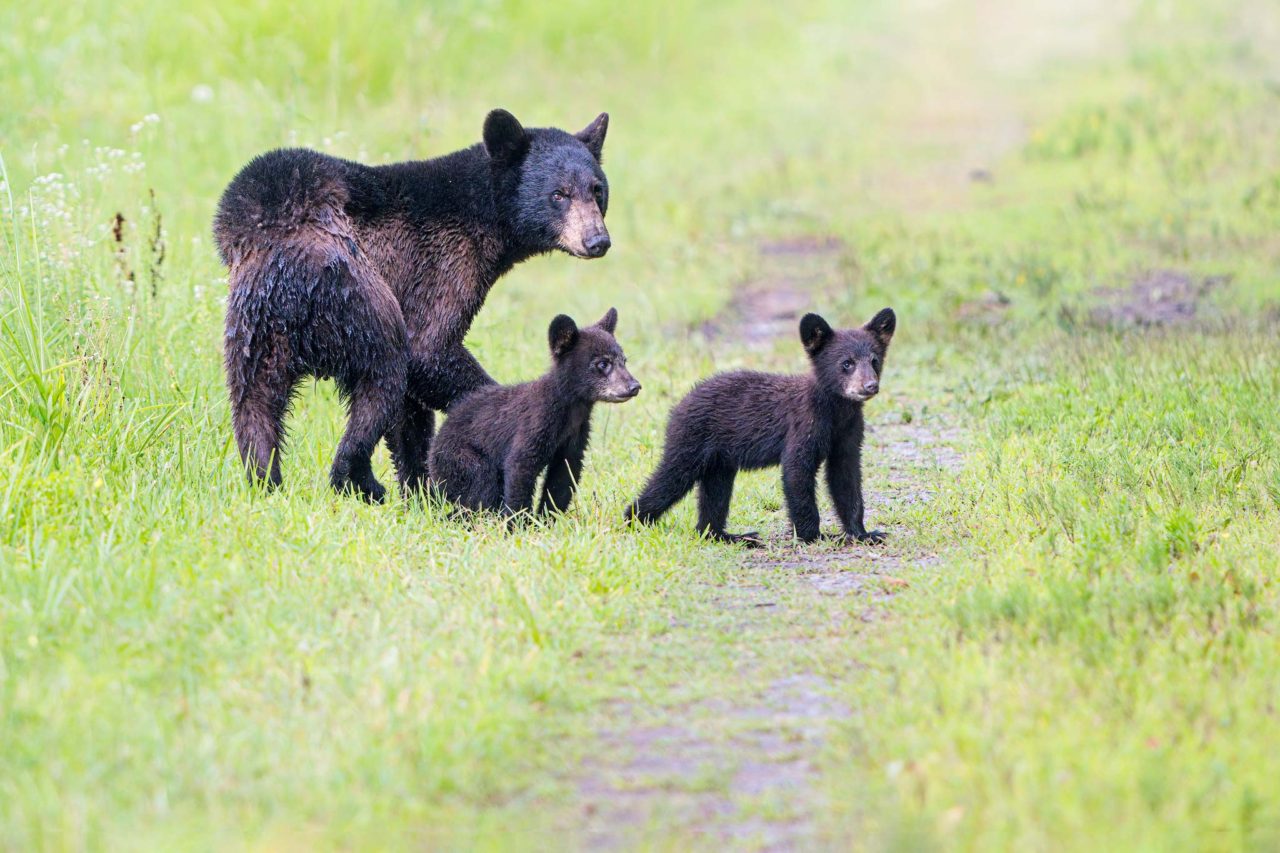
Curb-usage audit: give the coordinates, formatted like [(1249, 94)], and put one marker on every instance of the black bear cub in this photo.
[(753, 420), (498, 439)]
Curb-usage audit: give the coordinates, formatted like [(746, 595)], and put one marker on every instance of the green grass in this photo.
[(1095, 665), (186, 662)]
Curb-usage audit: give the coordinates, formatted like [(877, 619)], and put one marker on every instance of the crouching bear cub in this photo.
[(498, 439), (754, 420)]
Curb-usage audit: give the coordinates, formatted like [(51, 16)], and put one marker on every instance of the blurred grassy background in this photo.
[(183, 662)]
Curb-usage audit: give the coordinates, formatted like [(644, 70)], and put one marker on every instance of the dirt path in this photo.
[(724, 744), (738, 761)]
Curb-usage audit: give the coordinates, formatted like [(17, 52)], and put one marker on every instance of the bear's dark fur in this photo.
[(496, 441), (372, 276), (748, 420)]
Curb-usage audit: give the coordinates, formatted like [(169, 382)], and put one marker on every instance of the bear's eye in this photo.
[(558, 196), (598, 190), (602, 365), (847, 366), (875, 363)]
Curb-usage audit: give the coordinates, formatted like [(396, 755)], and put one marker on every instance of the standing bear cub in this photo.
[(371, 276), (748, 420), (496, 441)]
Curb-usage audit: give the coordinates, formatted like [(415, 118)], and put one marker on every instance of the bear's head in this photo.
[(848, 362), (590, 364), (548, 184)]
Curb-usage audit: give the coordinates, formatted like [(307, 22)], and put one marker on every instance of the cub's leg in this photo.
[(465, 477), (563, 475), (670, 482), (715, 491), (799, 486), (520, 473), (844, 480)]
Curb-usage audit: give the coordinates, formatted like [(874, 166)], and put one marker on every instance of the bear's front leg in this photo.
[(519, 476), (844, 480), (563, 475)]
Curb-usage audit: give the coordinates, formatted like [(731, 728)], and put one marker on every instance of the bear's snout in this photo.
[(622, 387), (582, 233), (597, 244)]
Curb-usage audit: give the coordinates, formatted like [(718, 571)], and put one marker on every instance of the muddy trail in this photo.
[(736, 760)]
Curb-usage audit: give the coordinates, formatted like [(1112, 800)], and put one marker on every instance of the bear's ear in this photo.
[(609, 321), (592, 136), (504, 138), (882, 326), (815, 333), (562, 335)]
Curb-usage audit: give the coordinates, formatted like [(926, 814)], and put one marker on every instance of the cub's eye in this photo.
[(875, 363), (598, 190), (558, 196), (602, 365), (847, 366)]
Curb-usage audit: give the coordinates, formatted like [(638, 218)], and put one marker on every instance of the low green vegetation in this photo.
[(1083, 654)]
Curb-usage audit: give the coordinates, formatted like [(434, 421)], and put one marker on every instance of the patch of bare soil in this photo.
[(743, 770), (1157, 298), (688, 774), (792, 277)]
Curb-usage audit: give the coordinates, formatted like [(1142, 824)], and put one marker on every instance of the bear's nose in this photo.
[(633, 389), (597, 245), (871, 387)]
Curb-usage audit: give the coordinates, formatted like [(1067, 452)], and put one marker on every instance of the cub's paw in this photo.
[(872, 537), (750, 539), (635, 516)]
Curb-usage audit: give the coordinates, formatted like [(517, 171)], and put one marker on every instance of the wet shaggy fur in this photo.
[(371, 275), (748, 420), (497, 441)]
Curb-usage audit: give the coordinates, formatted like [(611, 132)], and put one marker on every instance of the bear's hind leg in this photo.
[(261, 391), (410, 445), (670, 482), (715, 491), (466, 479), (374, 404)]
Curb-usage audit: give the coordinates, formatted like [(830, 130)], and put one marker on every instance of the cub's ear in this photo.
[(609, 321), (562, 335), (815, 333), (504, 138), (592, 136), (882, 326)]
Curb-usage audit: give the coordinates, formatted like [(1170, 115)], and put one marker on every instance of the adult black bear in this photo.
[(372, 276), (754, 420), (496, 442)]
